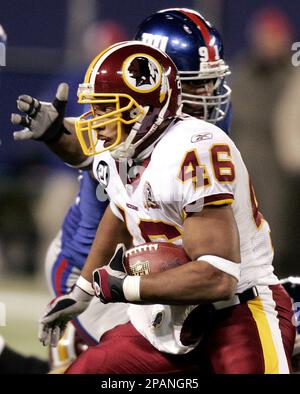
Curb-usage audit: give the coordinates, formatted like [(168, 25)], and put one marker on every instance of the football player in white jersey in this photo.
[(175, 178), (207, 95)]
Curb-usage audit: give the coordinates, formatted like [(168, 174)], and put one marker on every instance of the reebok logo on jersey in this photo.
[(201, 137), (132, 206)]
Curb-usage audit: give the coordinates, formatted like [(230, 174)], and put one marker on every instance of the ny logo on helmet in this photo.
[(155, 40), (142, 73)]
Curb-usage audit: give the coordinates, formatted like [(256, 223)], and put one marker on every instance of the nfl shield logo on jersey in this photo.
[(149, 199)]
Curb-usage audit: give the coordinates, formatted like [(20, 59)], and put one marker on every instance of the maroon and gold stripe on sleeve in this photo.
[(218, 199), (214, 199)]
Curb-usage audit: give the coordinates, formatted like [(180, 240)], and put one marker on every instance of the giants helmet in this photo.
[(141, 85), (197, 50)]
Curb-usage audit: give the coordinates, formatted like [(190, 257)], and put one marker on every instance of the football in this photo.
[(154, 257)]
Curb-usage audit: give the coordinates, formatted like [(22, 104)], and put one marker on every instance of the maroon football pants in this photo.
[(254, 337)]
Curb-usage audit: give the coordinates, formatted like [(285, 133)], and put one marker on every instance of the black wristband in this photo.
[(57, 128), (53, 134)]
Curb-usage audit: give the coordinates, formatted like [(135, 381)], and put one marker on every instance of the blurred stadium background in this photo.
[(53, 42)]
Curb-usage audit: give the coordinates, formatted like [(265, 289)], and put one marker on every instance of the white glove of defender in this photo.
[(42, 120), (60, 311)]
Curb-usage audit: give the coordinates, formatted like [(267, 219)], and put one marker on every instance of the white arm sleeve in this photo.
[(230, 267)]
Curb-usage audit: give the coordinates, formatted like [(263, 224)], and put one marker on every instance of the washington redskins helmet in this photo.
[(197, 51), (140, 87)]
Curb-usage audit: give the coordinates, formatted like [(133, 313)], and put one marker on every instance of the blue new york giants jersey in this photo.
[(81, 221)]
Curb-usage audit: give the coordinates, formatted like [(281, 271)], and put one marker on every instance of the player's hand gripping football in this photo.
[(108, 280), (41, 120), (59, 311)]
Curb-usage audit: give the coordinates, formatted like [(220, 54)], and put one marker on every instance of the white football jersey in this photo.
[(193, 165)]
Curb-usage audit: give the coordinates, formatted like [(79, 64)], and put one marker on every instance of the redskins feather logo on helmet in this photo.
[(142, 73)]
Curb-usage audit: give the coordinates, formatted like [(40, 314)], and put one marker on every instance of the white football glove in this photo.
[(42, 120), (59, 311)]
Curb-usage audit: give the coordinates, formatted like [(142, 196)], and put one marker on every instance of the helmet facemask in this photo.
[(211, 107), (89, 125)]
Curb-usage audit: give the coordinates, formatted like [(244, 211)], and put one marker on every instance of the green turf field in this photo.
[(24, 301)]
